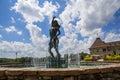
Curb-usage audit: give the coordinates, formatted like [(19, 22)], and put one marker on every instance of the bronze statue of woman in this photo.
[(54, 41)]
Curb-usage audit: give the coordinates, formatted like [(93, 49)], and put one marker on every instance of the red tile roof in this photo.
[(99, 43)]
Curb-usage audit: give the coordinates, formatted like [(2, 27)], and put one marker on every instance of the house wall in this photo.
[(102, 51)]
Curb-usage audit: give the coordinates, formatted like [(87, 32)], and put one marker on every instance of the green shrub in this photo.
[(108, 57), (88, 58), (117, 57), (113, 57)]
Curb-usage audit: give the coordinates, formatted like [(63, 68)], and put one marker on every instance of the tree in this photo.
[(83, 55)]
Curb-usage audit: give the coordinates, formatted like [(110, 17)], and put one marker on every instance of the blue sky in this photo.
[(25, 24)]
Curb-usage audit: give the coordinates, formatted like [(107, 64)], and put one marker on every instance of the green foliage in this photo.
[(88, 58), (117, 57), (108, 57), (18, 60), (72, 55), (65, 56), (113, 57), (25, 59), (83, 55), (6, 60)]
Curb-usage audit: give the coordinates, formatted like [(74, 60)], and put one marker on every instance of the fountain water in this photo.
[(48, 62), (73, 60), (39, 62)]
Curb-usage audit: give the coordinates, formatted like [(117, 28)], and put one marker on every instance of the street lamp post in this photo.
[(16, 55)]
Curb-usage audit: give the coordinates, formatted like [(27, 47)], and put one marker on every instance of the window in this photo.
[(104, 50), (119, 49), (114, 52), (108, 48), (97, 50)]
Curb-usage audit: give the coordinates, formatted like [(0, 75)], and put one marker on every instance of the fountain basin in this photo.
[(83, 73)]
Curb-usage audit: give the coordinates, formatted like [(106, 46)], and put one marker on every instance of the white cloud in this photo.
[(32, 12), (112, 36), (13, 29), (23, 39), (19, 32), (8, 49), (21, 20), (0, 36), (29, 9), (12, 20), (39, 40), (90, 16), (73, 45), (1, 26)]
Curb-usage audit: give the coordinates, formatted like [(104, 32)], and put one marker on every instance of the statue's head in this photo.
[(55, 21)]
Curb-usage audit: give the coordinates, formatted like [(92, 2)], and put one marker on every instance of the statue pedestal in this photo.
[(56, 63)]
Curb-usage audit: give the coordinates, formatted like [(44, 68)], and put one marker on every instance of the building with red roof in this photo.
[(102, 48)]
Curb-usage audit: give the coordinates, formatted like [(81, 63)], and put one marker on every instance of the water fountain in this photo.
[(74, 61), (66, 62)]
